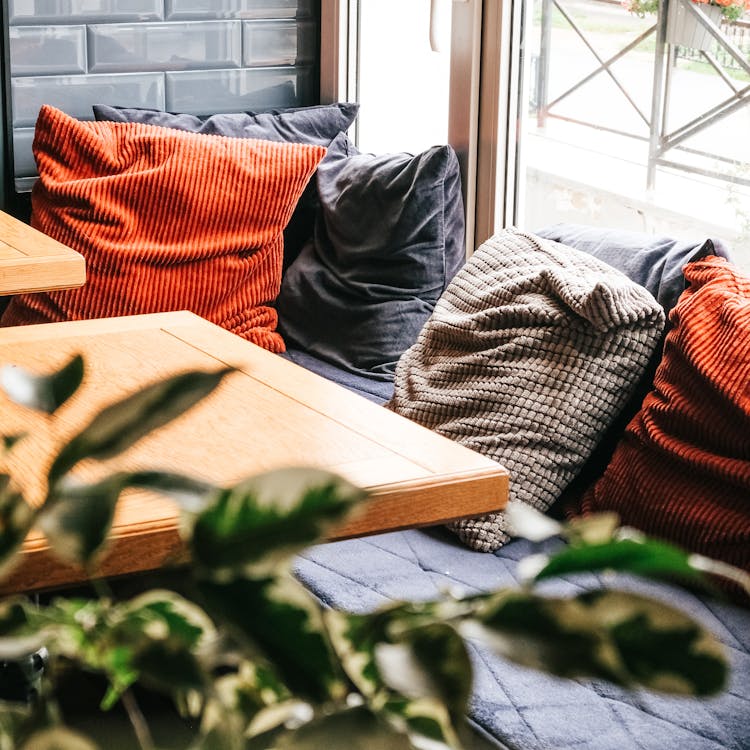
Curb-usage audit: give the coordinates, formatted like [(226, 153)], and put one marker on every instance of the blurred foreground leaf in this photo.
[(353, 729), (159, 634), (16, 520), (45, 393), (626, 638), (78, 521), (644, 557), (413, 668), (77, 518), (120, 425), (58, 738), (278, 617), (263, 522)]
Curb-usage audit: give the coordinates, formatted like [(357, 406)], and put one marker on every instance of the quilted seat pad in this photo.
[(529, 710)]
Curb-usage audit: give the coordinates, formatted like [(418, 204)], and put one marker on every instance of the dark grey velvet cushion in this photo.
[(653, 261), (317, 125), (388, 238)]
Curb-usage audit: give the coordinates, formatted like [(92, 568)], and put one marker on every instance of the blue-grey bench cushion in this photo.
[(532, 710), (653, 261)]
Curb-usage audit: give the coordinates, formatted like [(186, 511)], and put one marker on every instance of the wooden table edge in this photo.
[(159, 543), (385, 512)]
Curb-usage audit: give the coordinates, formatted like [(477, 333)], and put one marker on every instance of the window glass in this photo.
[(621, 131), (403, 84)]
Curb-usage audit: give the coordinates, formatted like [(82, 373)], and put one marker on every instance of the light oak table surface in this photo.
[(30, 261), (268, 414)]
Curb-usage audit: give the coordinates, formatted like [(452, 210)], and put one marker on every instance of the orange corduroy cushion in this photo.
[(681, 472), (166, 220)]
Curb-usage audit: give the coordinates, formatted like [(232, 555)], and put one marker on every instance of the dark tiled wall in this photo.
[(197, 56)]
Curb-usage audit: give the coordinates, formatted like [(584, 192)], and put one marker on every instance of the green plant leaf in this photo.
[(596, 633), (120, 425), (353, 638), (58, 738), (9, 441), (18, 636), (351, 729), (117, 664), (156, 638), (249, 704), (719, 568), (597, 528), (645, 557), (192, 495), (72, 627), (13, 617), (425, 720), (443, 665), (169, 667), (281, 619), (16, 520), (407, 664), (263, 522), (14, 725), (167, 614), (254, 693), (661, 647), (77, 519), (45, 393)]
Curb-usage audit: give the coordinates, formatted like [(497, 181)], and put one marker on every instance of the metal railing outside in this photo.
[(729, 49)]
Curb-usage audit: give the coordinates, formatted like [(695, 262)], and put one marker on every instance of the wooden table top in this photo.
[(30, 261), (271, 413)]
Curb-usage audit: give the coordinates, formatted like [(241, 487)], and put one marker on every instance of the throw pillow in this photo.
[(388, 239), (317, 125), (529, 354), (166, 220), (682, 469), (653, 261)]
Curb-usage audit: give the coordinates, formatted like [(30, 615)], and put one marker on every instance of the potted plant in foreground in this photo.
[(248, 658)]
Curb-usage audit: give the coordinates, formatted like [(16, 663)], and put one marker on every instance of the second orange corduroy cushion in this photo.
[(166, 220), (682, 470)]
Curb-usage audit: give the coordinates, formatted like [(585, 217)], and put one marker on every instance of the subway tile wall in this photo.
[(196, 56)]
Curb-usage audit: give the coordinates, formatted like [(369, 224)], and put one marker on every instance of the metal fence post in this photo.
[(657, 94), (542, 68)]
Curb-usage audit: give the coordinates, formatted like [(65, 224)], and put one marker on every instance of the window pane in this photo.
[(403, 85), (594, 106)]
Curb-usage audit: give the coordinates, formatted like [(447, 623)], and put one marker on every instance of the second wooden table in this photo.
[(33, 262)]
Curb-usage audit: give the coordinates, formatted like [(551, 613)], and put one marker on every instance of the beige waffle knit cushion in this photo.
[(529, 355)]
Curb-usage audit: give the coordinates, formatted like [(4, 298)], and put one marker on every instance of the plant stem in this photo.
[(138, 721)]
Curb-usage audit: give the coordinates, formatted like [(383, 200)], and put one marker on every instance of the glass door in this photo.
[(622, 124), (413, 65)]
